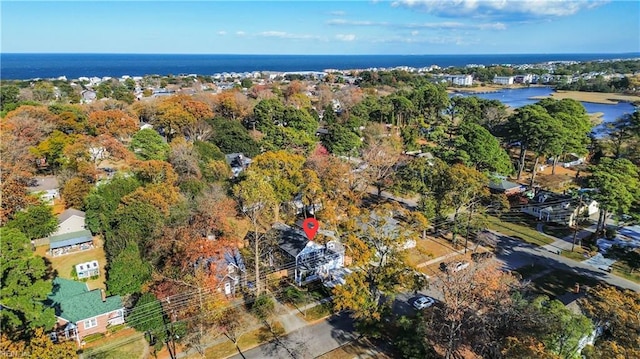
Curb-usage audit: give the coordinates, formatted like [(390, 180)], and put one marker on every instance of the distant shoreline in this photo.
[(72, 66)]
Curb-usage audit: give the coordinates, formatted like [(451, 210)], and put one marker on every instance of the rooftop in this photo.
[(72, 301)]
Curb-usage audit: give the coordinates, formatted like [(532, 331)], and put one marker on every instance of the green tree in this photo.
[(575, 126), (25, 284), (565, 329), (147, 144), (533, 128), (618, 187), (283, 171), (232, 137), (478, 148), (147, 317), (128, 272), (8, 95), (102, 202), (37, 221)]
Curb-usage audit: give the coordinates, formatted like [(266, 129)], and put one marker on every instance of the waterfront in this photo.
[(516, 98), (15, 66)]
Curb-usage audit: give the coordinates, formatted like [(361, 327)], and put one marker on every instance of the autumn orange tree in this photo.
[(616, 313), (381, 155), (116, 123), (375, 242)]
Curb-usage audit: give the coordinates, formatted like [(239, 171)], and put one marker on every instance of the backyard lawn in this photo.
[(64, 264)]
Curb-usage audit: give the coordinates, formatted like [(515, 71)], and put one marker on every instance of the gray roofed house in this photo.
[(71, 220), (313, 261), (501, 185), (238, 162)]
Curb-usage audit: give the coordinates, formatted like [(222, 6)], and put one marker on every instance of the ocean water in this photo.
[(30, 66)]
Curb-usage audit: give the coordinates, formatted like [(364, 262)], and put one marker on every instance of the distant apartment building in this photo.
[(523, 79), (459, 80), (503, 80)]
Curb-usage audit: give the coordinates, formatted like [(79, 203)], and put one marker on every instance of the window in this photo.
[(90, 323)]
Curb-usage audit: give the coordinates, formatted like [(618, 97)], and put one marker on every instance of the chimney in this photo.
[(104, 295)]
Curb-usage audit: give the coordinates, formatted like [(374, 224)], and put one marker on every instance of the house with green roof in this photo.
[(81, 311)]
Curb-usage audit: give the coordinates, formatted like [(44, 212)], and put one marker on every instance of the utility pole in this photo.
[(575, 224), (468, 227)]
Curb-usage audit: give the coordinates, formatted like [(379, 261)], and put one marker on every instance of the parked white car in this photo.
[(460, 266), (423, 302)]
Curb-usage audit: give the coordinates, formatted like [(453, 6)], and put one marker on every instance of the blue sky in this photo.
[(322, 27)]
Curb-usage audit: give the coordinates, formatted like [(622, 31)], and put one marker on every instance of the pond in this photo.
[(516, 98)]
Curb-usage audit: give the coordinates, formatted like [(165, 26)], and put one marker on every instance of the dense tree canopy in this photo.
[(25, 284)]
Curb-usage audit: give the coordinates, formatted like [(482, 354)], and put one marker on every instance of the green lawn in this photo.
[(622, 270), (65, 263), (317, 312), (518, 230), (559, 282)]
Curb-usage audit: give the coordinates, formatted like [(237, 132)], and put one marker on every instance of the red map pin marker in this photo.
[(310, 226)]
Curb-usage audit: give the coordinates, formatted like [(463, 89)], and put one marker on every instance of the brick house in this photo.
[(80, 311)]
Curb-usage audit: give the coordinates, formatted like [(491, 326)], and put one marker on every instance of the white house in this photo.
[(460, 80), (313, 261), (88, 269), (503, 80), (558, 208)]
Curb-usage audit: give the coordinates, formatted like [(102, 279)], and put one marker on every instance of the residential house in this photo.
[(500, 185), (558, 208), (80, 311), (523, 79), (313, 261), (229, 269), (459, 80), (47, 188), (88, 269), (71, 220), (235, 273), (503, 80), (238, 162)]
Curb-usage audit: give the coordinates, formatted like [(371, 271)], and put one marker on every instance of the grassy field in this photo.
[(246, 342), (428, 249), (519, 231), (125, 344), (65, 263), (595, 97)]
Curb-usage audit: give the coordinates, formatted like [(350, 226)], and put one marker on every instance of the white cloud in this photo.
[(338, 13), (286, 35), (503, 9), (346, 37), (355, 22), (240, 33), (452, 25), (222, 32), (415, 32), (447, 25)]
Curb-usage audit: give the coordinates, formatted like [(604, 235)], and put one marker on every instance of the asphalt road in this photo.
[(517, 254), (322, 337), (308, 342)]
